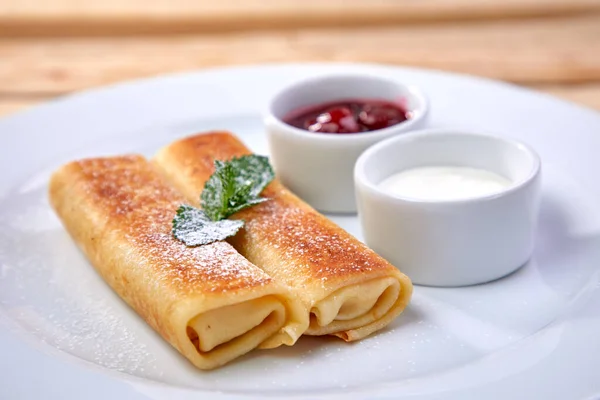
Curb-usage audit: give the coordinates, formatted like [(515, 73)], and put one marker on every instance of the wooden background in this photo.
[(53, 47)]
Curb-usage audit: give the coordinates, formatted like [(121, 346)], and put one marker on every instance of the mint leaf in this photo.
[(254, 169), (193, 227), (236, 184)]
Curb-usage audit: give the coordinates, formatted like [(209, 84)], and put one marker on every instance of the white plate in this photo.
[(535, 334)]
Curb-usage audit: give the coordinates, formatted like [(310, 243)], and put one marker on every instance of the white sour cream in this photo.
[(444, 183)]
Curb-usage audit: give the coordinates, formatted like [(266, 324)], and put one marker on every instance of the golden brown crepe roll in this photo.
[(349, 290), (209, 302)]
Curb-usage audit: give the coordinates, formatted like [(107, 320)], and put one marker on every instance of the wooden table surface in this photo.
[(55, 47)]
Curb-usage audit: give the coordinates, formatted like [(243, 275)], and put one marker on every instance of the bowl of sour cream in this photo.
[(449, 207)]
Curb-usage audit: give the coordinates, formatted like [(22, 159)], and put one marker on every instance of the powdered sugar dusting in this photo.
[(307, 242), (48, 292), (193, 227), (141, 208)]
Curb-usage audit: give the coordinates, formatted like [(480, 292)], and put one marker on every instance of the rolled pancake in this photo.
[(209, 302), (348, 289)]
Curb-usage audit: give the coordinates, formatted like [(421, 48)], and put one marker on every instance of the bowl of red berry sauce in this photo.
[(349, 116), (317, 128)]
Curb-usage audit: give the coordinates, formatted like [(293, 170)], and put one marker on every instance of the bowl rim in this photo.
[(420, 112), (362, 182)]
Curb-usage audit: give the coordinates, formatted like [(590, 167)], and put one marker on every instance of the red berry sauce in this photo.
[(348, 116)]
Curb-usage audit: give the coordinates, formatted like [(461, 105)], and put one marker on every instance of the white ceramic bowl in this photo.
[(456, 242), (318, 167)]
